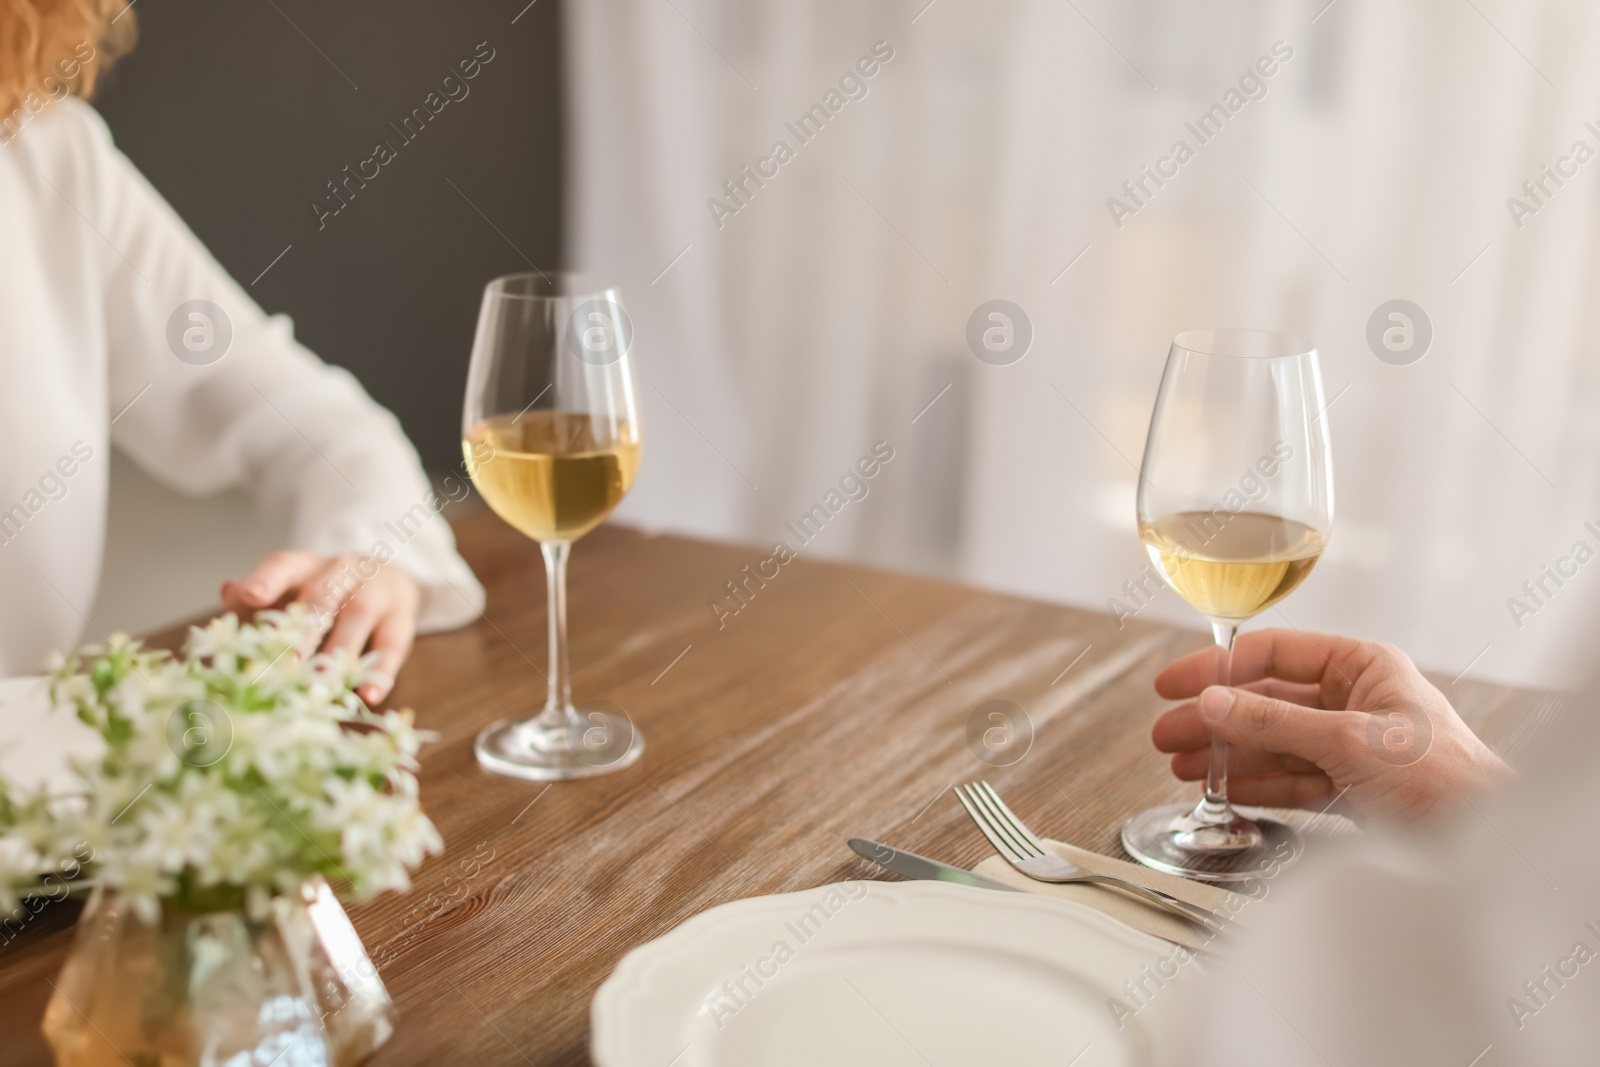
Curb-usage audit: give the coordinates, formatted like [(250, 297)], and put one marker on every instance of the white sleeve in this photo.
[(1428, 945), (267, 415)]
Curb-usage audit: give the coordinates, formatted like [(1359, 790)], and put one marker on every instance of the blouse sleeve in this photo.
[(207, 392)]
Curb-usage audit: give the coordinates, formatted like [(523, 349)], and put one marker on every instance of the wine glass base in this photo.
[(595, 743), (1168, 838)]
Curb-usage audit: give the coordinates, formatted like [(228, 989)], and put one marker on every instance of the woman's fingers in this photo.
[(275, 577), (357, 619), (330, 585), (361, 600), (381, 610), (391, 640)]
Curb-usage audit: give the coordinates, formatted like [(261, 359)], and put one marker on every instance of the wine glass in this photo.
[(1235, 507), (551, 436)]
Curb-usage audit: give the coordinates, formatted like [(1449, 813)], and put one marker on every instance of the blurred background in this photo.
[(1353, 154)]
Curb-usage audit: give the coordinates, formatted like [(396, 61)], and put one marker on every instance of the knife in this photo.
[(921, 867)]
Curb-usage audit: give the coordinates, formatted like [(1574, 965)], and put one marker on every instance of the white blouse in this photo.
[(99, 343)]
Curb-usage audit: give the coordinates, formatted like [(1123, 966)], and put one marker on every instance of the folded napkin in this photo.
[(36, 741), (1234, 905), (35, 744)]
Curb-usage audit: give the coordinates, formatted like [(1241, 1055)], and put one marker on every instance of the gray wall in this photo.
[(240, 117), (240, 112)]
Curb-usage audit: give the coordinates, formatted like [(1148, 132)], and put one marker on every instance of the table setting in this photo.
[(961, 946), (665, 843)]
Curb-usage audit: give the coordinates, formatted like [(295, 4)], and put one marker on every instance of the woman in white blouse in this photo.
[(118, 327)]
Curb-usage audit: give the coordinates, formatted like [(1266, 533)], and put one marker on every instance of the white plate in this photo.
[(887, 973)]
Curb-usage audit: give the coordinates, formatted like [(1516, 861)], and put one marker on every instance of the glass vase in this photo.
[(216, 988)]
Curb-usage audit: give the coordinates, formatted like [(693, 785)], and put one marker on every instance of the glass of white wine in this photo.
[(1235, 507), (551, 436)]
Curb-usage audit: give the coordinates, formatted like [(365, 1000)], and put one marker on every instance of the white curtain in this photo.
[(829, 311)]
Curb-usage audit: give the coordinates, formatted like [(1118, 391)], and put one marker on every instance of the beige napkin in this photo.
[(1234, 905)]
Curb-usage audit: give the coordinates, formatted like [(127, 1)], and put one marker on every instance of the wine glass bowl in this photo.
[(1235, 506), (550, 432), (553, 477)]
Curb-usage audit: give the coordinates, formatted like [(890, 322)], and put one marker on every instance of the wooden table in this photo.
[(835, 703)]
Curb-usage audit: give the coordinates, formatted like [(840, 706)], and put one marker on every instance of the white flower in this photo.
[(176, 832), (257, 784)]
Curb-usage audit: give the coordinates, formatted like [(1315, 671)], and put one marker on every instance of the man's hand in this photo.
[(367, 602), (1314, 717)]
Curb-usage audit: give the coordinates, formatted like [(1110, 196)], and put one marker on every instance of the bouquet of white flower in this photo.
[(229, 776)]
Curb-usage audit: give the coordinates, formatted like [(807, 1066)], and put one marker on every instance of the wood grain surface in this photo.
[(835, 704)]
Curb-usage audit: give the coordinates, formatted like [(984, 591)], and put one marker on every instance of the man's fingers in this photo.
[(1306, 693), (1313, 791), (1181, 728), (1251, 720), (1192, 765), (273, 577), (1292, 655), (392, 642)]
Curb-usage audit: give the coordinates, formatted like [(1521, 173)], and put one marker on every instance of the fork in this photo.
[(1019, 847)]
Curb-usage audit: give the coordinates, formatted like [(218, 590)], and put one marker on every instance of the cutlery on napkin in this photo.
[(1130, 910)]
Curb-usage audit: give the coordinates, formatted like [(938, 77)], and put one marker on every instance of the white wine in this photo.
[(1232, 566), (554, 475)]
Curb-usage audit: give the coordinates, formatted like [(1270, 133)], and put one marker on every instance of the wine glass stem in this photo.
[(1214, 808), (558, 705)]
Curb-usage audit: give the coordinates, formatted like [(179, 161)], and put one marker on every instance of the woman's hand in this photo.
[(366, 601), (1315, 718)]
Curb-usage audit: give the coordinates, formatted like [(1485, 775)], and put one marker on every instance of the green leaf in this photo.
[(118, 730), (103, 674)]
